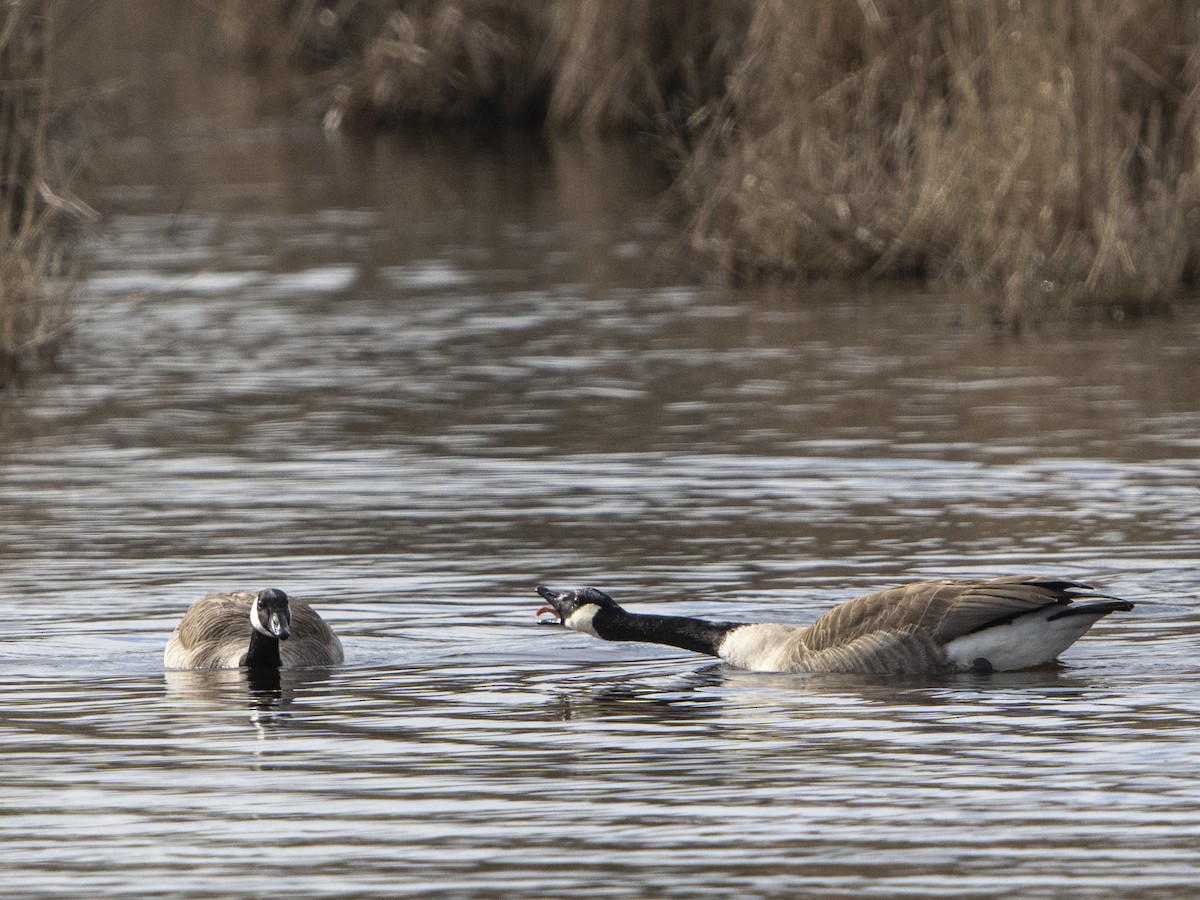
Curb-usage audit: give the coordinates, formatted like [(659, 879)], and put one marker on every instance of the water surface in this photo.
[(408, 380)]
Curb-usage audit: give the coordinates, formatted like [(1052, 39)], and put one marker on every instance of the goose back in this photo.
[(946, 609), (906, 629)]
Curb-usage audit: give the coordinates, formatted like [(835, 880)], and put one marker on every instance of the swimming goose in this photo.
[(1001, 624), (263, 630)]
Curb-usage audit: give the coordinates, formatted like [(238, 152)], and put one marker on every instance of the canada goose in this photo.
[(1001, 624), (225, 631)]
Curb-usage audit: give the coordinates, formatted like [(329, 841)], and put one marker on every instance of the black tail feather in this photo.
[(1096, 605)]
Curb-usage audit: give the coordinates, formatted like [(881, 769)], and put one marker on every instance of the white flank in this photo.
[(1028, 641), (761, 648), (581, 619)]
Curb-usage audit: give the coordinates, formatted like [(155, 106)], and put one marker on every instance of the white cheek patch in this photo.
[(581, 619), (255, 620)]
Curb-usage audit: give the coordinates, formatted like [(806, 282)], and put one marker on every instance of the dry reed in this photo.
[(35, 297), (1040, 153), (640, 64), (387, 63), (587, 65)]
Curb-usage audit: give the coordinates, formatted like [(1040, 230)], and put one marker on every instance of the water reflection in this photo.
[(268, 693)]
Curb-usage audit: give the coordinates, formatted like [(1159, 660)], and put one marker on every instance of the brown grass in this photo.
[(35, 295), (640, 64), (586, 65), (391, 63), (1041, 154)]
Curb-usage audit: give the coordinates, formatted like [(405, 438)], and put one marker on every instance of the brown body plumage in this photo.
[(216, 632), (912, 628)]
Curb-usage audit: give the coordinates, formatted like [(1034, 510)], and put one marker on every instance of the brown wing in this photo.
[(312, 642), (942, 609), (891, 652), (214, 633), (1000, 600)]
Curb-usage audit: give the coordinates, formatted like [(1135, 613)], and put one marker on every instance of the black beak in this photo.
[(278, 626), (556, 600)]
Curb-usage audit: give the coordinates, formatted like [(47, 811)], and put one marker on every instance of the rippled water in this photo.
[(410, 380)]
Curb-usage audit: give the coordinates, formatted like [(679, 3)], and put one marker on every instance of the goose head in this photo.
[(579, 609), (269, 614)]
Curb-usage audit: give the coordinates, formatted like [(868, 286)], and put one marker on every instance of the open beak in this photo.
[(555, 600)]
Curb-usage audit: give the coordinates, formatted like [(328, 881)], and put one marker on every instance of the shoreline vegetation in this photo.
[(1038, 155), (37, 214)]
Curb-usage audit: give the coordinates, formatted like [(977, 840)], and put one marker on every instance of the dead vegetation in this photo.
[(378, 63), (588, 66), (1039, 154), (35, 264)]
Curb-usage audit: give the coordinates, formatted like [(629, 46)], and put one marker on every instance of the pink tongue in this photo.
[(547, 608)]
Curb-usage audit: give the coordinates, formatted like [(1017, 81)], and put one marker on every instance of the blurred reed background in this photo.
[(37, 212), (1040, 155)]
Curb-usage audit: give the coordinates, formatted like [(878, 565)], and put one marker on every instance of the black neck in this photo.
[(697, 635), (263, 652)]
